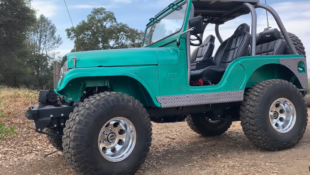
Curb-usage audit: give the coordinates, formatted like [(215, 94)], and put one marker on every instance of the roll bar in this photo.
[(280, 24), (217, 33), (254, 26)]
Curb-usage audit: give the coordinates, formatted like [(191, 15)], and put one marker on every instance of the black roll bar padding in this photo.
[(280, 24), (253, 27), (217, 33), (235, 9)]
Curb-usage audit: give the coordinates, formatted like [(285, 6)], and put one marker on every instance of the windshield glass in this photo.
[(168, 25)]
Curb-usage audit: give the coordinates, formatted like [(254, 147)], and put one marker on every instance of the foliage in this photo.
[(43, 38), (16, 20), (43, 41), (26, 46), (6, 130), (102, 31)]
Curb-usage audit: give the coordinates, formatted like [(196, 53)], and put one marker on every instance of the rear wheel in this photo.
[(207, 127), (108, 133), (274, 115)]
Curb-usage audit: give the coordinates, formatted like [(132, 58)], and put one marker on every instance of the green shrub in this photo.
[(6, 131)]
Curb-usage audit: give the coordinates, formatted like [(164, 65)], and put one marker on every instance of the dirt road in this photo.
[(175, 150)]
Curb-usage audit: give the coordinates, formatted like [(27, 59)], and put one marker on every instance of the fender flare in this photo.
[(97, 75)]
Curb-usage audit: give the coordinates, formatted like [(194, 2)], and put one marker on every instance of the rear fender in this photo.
[(274, 71), (245, 72)]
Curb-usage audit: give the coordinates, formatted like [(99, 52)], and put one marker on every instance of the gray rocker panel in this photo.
[(200, 99), (292, 64)]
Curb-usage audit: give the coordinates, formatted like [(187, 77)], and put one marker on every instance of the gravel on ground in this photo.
[(175, 150)]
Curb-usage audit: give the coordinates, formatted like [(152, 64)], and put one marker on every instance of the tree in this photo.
[(43, 36), (27, 45), (16, 19), (102, 31), (42, 43)]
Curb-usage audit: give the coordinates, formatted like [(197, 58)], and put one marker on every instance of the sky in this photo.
[(136, 14)]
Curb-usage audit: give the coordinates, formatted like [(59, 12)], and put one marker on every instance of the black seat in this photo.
[(270, 42), (204, 51), (234, 47)]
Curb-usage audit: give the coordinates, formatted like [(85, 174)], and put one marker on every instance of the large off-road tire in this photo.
[(206, 127), (274, 115), (56, 141), (108, 133), (297, 43)]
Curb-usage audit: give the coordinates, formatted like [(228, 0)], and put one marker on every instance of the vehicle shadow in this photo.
[(232, 145)]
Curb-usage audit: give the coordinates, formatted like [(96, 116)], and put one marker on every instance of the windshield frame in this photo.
[(174, 8)]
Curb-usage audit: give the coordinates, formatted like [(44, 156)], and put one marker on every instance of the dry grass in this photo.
[(19, 142), (14, 102)]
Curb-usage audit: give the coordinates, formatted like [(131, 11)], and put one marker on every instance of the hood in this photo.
[(116, 57)]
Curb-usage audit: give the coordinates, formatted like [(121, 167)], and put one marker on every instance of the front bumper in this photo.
[(49, 116)]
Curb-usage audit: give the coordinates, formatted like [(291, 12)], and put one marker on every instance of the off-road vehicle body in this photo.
[(100, 111)]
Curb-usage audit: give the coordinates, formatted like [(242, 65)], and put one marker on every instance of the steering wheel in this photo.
[(198, 38)]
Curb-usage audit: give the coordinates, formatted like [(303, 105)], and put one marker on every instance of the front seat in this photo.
[(204, 51), (234, 47), (270, 42)]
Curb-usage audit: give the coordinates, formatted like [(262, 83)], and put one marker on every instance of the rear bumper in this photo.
[(49, 116)]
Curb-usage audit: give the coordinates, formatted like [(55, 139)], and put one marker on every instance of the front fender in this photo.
[(76, 80)]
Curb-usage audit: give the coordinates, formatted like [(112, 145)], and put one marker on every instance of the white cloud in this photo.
[(145, 4), (122, 1), (86, 6), (157, 4), (45, 7), (82, 6), (108, 4)]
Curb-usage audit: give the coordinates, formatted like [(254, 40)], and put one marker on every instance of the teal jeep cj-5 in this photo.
[(101, 110)]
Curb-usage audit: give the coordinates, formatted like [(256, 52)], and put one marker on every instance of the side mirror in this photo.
[(197, 24), (195, 27)]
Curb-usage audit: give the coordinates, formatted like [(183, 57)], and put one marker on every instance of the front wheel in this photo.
[(54, 139), (274, 115), (108, 133)]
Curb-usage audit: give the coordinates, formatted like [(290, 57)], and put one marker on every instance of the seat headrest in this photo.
[(212, 38), (209, 39), (268, 36), (243, 28)]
